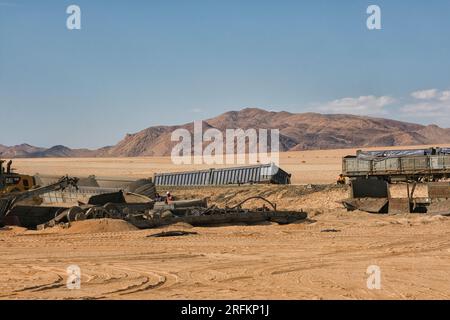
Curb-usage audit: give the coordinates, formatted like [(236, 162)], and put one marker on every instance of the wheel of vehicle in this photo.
[(99, 213), (59, 211), (80, 216), (112, 211), (90, 213), (73, 212)]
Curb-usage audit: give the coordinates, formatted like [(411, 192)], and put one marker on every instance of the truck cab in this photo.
[(13, 182)]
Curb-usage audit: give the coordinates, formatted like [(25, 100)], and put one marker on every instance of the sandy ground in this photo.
[(325, 257), (306, 167)]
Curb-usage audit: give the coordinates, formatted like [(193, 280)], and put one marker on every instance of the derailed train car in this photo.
[(399, 165), (264, 173)]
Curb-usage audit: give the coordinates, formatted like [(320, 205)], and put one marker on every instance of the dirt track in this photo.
[(297, 261)]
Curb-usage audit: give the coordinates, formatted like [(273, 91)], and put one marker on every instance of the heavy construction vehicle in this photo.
[(8, 201), (14, 182)]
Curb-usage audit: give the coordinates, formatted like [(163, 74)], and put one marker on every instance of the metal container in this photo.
[(192, 178), (268, 173), (386, 165), (434, 163), (73, 195), (356, 166)]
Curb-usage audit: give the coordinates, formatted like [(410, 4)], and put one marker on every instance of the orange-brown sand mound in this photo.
[(99, 226)]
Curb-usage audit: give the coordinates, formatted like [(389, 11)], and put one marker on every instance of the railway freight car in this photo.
[(266, 173), (431, 164)]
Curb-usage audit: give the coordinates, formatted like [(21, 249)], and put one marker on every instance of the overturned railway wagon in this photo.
[(268, 173), (420, 164), (374, 196)]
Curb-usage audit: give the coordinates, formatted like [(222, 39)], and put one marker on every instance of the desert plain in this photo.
[(324, 257)]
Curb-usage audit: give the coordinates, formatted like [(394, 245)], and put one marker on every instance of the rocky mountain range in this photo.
[(298, 131)]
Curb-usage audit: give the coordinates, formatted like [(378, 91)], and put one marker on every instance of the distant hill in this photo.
[(301, 131), (19, 151), (27, 151)]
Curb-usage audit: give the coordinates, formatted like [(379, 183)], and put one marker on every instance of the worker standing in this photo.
[(169, 197), (341, 179)]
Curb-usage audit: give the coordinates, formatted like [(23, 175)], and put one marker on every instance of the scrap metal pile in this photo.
[(197, 213), (135, 207)]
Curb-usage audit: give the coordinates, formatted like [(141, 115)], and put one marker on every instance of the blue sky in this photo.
[(135, 64)]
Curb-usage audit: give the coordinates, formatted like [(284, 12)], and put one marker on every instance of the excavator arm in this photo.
[(8, 201)]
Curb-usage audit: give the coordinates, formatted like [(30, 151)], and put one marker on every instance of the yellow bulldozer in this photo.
[(11, 182)]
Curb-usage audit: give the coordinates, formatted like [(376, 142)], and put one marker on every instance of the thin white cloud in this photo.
[(431, 94), (366, 105), (425, 94), (431, 103), (445, 96), (430, 106), (427, 109)]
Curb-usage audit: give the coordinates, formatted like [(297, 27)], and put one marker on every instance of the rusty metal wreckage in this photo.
[(138, 204), (370, 175)]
